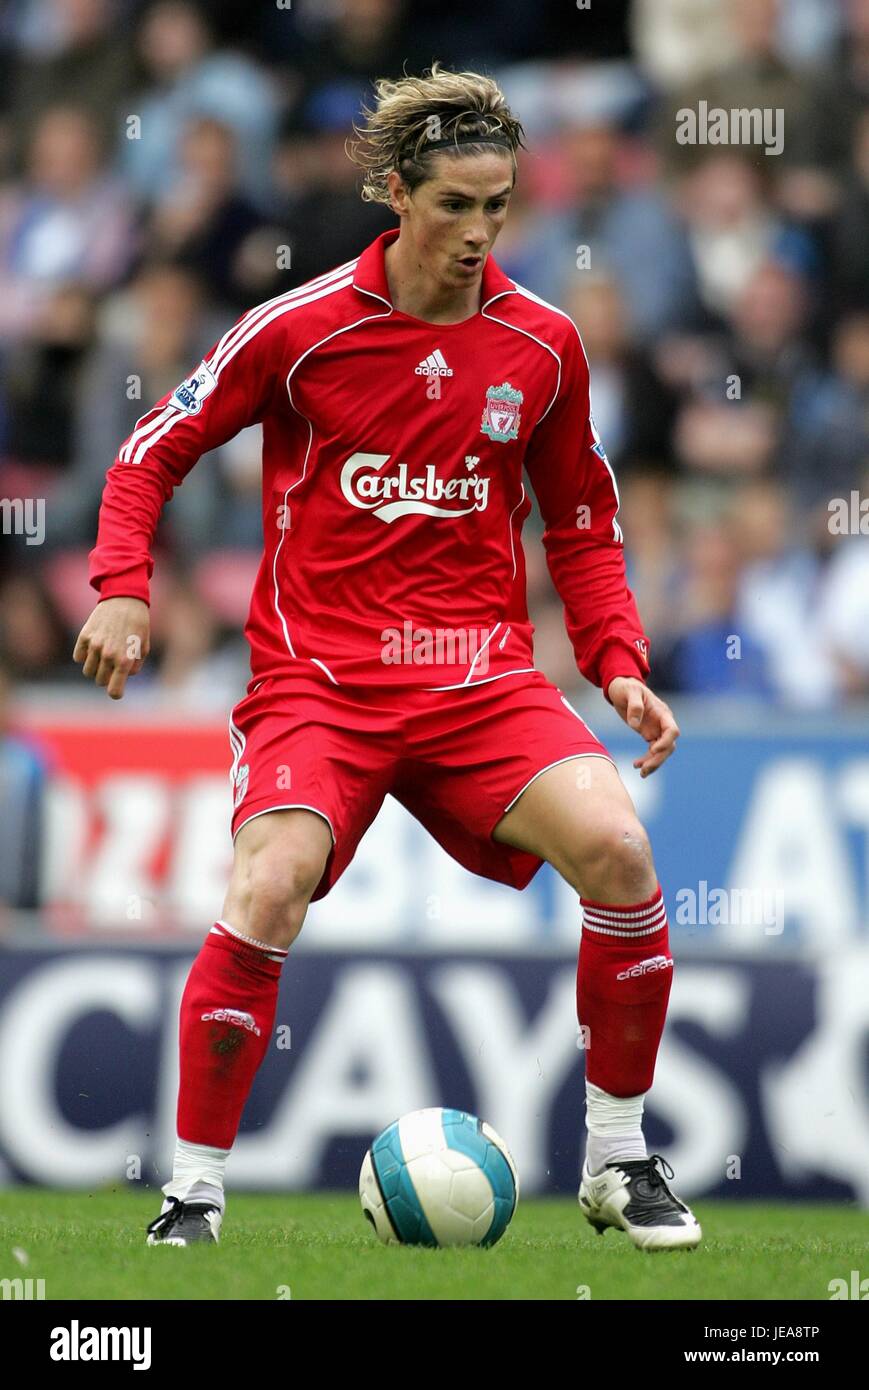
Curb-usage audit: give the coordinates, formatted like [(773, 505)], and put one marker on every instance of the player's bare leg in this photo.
[(579, 817), (228, 1009), (278, 861)]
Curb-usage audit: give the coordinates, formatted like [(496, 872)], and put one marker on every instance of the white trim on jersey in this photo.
[(298, 362), (510, 529), (499, 295), (467, 680), (494, 319), (242, 324), (375, 295), (144, 425), (278, 309), (617, 530), (618, 534), (463, 685), (156, 431), (283, 620), (282, 308), (153, 431), (141, 430), (315, 661)]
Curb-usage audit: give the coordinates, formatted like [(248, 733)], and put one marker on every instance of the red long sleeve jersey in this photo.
[(393, 494)]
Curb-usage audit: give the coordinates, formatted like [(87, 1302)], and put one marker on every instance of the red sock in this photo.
[(227, 1017), (622, 988)]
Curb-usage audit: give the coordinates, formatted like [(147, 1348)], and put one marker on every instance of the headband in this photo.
[(465, 139)]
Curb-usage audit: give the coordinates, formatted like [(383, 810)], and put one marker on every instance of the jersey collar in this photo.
[(370, 276)]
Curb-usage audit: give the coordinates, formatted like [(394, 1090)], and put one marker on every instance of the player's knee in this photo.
[(273, 887), (619, 862), (281, 881)]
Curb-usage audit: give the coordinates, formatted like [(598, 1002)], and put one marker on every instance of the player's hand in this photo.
[(649, 716), (114, 643)]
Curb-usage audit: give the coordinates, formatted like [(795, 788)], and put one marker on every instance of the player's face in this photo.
[(455, 216)]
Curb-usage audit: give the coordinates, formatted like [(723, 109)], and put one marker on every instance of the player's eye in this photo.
[(497, 204)]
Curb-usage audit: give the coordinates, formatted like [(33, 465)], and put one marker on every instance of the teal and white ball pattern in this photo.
[(439, 1177)]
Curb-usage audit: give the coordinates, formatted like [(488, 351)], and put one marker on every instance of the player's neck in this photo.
[(414, 291)]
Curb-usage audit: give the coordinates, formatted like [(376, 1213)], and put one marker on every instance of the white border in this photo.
[(471, 685), (346, 328), (570, 757), (293, 806)]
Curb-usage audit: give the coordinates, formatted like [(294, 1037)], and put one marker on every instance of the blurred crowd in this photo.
[(164, 166)]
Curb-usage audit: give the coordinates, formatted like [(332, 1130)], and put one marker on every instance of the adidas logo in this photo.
[(434, 365), (646, 967), (236, 1016)]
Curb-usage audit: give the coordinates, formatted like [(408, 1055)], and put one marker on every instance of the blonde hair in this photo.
[(412, 114)]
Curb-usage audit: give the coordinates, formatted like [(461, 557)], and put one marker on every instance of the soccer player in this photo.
[(402, 397)]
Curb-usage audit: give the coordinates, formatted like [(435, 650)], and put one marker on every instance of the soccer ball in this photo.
[(439, 1177)]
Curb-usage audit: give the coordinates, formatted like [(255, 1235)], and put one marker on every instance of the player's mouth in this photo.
[(470, 264)]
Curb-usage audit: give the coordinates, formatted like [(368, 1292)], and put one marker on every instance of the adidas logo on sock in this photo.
[(433, 365), (646, 967), (236, 1016)]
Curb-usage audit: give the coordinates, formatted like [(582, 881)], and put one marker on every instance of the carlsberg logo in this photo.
[(399, 492)]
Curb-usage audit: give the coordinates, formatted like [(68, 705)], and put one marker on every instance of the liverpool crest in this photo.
[(501, 416)]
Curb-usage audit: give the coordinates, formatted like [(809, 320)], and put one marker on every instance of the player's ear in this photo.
[(398, 192)]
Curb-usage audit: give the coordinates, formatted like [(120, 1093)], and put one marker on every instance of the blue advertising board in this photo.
[(761, 1088)]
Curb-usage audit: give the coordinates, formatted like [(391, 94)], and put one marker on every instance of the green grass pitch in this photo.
[(318, 1246)]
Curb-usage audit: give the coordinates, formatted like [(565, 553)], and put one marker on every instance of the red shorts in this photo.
[(456, 759)]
